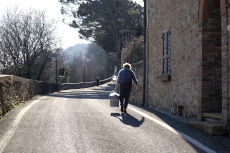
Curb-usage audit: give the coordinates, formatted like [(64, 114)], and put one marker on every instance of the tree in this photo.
[(75, 68), (133, 51), (27, 42), (101, 20), (57, 62), (96, 62)]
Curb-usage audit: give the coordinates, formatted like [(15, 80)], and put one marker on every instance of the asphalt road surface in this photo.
[(82, 121)]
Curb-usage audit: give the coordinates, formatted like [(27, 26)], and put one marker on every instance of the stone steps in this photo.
[(210, 128), (211, 124), (212, 117)]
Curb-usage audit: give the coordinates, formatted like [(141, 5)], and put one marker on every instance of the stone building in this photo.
[(188, 58)]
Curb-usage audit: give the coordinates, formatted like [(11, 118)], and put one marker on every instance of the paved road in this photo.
[(81, 121)]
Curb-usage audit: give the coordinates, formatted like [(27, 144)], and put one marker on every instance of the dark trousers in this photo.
[(125, 90)]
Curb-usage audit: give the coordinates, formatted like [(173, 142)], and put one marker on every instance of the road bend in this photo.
[(82, 121)]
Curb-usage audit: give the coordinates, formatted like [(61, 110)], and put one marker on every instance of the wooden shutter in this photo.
[(166, 52)]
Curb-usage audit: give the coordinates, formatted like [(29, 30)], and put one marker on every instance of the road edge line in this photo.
[(166, 126), (13, 126)]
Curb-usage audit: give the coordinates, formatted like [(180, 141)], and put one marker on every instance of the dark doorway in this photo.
[(211, 57)]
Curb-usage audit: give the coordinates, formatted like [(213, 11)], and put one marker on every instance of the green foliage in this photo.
[(74, 24), (17, 105), (133, 52), (101, 21)]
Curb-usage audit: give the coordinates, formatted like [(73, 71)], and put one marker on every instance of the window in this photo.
[(166, 72)]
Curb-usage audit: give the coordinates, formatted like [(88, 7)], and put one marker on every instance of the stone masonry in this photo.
[(199, 57), (14, 90), (136, 96), (180, 95)]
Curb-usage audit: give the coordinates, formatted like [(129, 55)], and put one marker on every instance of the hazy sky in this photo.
[(68, 35)]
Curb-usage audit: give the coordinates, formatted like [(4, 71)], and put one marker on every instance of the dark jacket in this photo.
[(126, 75)]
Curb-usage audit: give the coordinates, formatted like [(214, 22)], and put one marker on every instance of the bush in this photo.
[(133, 52)]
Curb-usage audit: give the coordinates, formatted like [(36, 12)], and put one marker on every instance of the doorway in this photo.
[(211, 58)]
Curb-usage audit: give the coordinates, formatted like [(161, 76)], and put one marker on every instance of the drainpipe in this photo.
[(227, 117), (147, 53), (145, 59)]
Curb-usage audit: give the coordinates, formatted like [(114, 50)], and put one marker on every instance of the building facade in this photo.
[(188, 57)]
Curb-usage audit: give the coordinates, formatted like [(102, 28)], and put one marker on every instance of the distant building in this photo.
[(188, 57)]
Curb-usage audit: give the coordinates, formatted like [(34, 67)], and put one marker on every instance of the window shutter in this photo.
[(169, 52), (166, 52)]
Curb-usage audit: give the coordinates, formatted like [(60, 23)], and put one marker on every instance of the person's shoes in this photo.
[(122, 109), (125, 111)]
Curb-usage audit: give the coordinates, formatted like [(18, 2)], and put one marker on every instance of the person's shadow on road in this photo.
[(128, 119)]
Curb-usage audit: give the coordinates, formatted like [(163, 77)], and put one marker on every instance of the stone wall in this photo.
[(14, 90), (225, 47), (180, 95), (137, 96), (199, 57), (66, 86), (210, 28)]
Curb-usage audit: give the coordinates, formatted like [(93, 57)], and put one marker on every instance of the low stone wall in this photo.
[(14, 90), (79, 85)]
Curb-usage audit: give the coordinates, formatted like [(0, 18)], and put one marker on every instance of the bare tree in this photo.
[(27, 42), (89, 66), (75, 66), (96, 62), (53, 67)]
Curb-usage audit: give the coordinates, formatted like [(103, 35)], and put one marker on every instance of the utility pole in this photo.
[(84, 73), (56, 69), (102, 71)]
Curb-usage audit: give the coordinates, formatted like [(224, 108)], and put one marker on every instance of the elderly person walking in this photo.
[(124, 83)]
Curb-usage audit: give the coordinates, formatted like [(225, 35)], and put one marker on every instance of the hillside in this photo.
[(76, 50)]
